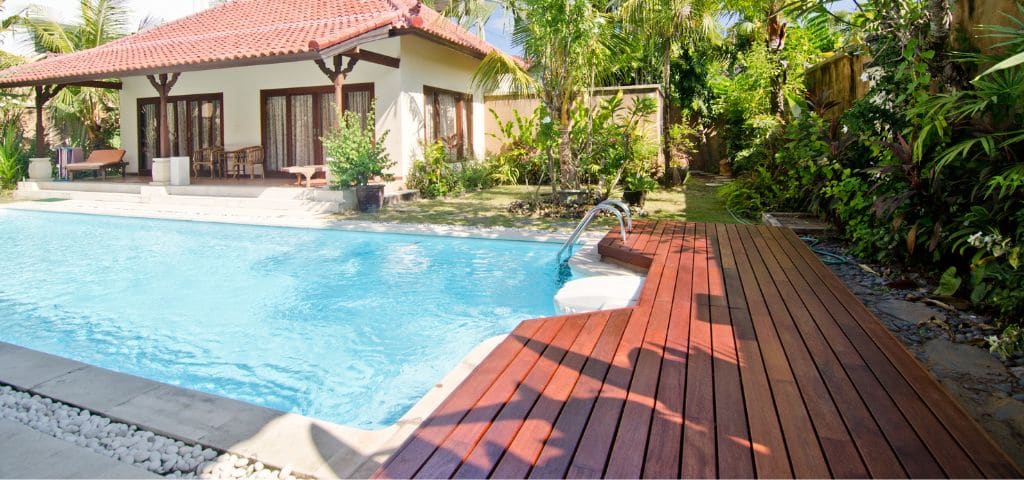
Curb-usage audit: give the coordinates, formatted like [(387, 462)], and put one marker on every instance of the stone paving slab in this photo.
[(26, 453)]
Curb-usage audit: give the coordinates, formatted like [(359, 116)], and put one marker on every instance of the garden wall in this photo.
[(838, 79), (839, 75), (504, 106)]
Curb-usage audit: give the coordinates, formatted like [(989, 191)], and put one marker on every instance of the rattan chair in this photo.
[(209, 157)]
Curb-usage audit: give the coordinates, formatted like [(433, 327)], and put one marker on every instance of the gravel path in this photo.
[(128, 443)]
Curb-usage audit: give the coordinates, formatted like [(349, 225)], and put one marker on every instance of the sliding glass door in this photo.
[(193, 121), (295, 119)]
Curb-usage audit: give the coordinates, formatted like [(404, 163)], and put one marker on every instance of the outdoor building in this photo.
[(270, 73)]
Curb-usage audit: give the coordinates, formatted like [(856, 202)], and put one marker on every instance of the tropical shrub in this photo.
[(356, 155), (437, 175), (13, 156)]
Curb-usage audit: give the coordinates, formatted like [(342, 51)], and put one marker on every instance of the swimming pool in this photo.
[(348, 327)]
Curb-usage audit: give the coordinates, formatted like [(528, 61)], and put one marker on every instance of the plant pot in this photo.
[(161, 171), (370, 198), (634, 198), (40, 169)]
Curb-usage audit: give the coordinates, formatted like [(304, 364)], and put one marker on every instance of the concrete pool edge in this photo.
[(193, 214), (312, 447)]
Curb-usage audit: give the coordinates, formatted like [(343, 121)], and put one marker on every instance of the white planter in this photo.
[(161, 171), (40, 169), (179, 171)]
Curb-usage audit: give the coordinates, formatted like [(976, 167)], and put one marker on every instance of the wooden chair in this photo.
[(252, 157), (209, 157)]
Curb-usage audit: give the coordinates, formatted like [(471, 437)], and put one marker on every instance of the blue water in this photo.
[(348, 327)]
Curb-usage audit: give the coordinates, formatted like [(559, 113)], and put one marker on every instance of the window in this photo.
[(193, 122), (294, 119), (449, 118)]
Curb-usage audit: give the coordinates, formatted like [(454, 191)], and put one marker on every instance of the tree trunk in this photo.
[(568, 179), (775, 42), (666, 89)]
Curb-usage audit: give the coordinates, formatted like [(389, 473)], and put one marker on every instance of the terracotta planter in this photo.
[(370, 198), (161, 171), (634, 198), (40, 169)]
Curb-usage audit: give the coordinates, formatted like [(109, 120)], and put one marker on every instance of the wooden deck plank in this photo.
[(409, 457), (874, 448), (627, 455), (556, 456), (903, 439), (803, 449), (744, 356), (663, 455), (769, 448), (699, 456), (522, 452), (735, 455), (840, 453), (903, 375), (494, 443), (449, 454)]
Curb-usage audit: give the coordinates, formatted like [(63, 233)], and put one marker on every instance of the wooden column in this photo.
[(163, 87), (43, 94), (337, 76)]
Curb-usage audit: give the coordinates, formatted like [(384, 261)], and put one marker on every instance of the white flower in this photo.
[(546, 119)]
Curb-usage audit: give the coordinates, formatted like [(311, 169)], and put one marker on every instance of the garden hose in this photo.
[(737, 218), (828, 258)]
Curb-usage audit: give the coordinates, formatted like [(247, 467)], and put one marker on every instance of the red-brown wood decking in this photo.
[(745, 356)]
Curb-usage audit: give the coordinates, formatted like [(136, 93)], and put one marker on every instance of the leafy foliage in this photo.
[(13, 156), (356, 156)]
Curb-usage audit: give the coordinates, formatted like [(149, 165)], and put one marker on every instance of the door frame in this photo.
[(317, 128), (172, 102)]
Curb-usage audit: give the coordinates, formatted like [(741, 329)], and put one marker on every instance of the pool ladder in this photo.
[(616, 207)]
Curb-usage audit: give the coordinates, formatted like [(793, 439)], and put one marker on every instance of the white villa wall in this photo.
[(399, 94), (241, 89), (426, 63)]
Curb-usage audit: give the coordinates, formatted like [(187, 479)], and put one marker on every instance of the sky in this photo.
[(497, 31)]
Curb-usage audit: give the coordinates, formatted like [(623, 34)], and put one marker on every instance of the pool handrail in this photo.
[(608, 205)]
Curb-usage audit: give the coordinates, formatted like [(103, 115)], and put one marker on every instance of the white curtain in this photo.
[(359, 102), (276, 147), (302, 128)]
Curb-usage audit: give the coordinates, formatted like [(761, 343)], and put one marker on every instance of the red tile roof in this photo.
[(243, 32)]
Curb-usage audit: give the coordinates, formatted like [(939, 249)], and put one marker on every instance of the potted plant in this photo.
[(356, 157), (636, 186)]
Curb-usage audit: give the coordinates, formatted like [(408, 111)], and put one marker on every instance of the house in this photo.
[(271, 72)]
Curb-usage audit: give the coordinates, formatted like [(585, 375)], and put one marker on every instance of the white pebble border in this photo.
[(129, 444)]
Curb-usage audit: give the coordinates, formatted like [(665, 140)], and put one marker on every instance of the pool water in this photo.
[(348, 327)]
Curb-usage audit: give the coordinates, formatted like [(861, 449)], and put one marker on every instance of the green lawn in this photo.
[(695, 201)]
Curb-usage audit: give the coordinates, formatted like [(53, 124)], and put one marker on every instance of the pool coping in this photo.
[(273, 437)]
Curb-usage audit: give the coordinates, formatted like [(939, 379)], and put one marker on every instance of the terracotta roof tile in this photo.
[(241, 32)]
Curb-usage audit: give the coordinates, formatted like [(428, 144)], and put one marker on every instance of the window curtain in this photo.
[(328, 112), (181, 146), (276, 142), (302, 129), (359, 102), (150, 135)]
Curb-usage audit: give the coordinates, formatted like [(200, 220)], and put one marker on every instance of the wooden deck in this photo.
[(744, 357)]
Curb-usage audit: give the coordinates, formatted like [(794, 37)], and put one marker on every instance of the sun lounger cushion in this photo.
[(99, 159)]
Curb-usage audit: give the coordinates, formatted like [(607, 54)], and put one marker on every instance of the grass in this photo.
[(695, 201)]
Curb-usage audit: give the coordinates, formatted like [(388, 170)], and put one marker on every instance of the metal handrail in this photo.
[(606, 206), (625, 210)]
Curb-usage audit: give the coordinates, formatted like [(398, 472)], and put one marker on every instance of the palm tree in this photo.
[(568, 45), (81, 112), (664, 26)]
